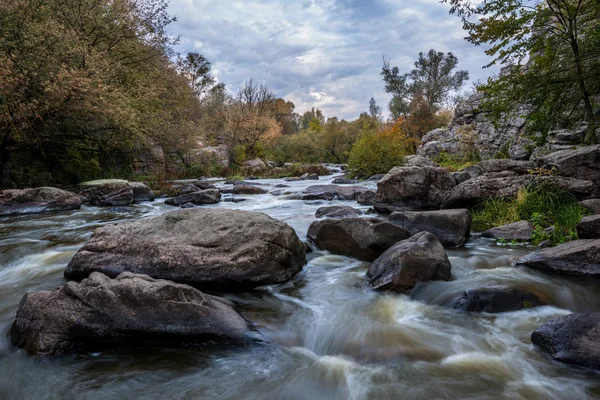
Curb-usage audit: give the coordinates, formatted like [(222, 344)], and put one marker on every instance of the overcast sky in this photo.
[(320, 53)]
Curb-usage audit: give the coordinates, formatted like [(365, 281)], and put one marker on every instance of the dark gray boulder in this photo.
[(451, 227), (521, 231), (589, 227), (578, 257), (420, 258), (208, 196), (572, 339), (337, 212), (107, 193), (248, 189), (211, 249), (494, 300), (130, 310), (38, 200), (592, 205), (582, 163), (413, 188), (141, 192), (362, 238)]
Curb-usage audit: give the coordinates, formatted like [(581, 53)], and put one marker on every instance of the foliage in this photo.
[(543, 205), (454, 163)]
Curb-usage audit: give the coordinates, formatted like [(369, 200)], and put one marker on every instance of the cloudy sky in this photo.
[(320, 53)]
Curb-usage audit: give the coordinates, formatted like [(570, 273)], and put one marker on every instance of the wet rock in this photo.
[(494, 300), (130, 310), (312, 177), (38, 200), (250, 178), (519, 231), (420, 258), (344, 181), (181, 189), (329, 192), (208, 196), (203, 185), (375, 177), (451, 227), (211, 249), (337, 212), (572, 339), (582, 163), (107, 193), (593, 205), (578, 257), (235, 199), (366, 198), (293, 179), (362, 238), (413, 188), (589, 227), (188, 205), (141, 192), (248, 189)]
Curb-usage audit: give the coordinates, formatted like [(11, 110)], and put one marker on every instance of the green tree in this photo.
[(374, 109)]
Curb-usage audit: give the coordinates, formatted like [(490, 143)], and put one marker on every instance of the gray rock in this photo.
[(375, 177), (248, 189), (212, 249), (185, 188), (188, 205), (38, 200), (203, 185), (589, 227), (141, 192), (130, 310), (461, 176), (494, 300), (418, 161), (502, 165), (362, 238), (107, 194), (420, 258), (519, 231), (579, 257), (329, 192), (255, 165), (413, 188), (593, 205), (582, 163), (451, 227), (208, 196), (337, 212), (312, 177), (366, 198), (344, 181), (572, 339)]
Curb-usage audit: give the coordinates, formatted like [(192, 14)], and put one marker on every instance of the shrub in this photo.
[(377, 153)]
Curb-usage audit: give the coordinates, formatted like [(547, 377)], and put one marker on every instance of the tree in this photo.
[(198, 70), (551, 50), (374, 109)]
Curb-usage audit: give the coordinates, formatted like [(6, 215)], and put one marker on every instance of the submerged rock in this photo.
[(572, 339), (518, 231), (589, 227), (579, 257), (38, 200), (130, 310), (337, 212), (212, 249), (208, 196), (417, 259), (494, 300), (451, 227), (362, 238)]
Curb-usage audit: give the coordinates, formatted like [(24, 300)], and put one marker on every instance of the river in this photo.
[(328, 336)]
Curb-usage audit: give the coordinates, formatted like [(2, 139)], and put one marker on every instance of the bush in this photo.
[(375, 153), (543, 205), (454, 163)]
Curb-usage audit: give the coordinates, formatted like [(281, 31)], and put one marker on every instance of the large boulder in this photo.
[(362, 238), (592, 205), (330, 192), (131, 310), (337, 212), (212, 249), (582, 163), (141, 192), (248, 189), (572, 339), (494, 300), (38, 200), (579, 257), (417, 259), (451, 227), (589, 227), (208, 196), (521, 231), (107, 193), (413, 188)]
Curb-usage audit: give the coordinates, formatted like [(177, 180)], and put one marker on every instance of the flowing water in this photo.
[(328, 336)]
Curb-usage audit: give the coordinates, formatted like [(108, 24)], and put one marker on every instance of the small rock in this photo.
[(494, 300), (593, 205), (337, 212), (188, 205), (248, 189), (451, 227), (518, 231), (312, 177), (589, 227), (141, 192), (208, 196)]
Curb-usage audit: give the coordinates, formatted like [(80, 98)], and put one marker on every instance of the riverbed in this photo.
[(327, 334)]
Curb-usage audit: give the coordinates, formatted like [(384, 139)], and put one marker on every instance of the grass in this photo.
[(543, 205), (454, 163)]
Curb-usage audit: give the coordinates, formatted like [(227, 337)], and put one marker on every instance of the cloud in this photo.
[(320, 53)]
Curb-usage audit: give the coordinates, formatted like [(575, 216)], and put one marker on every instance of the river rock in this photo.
[(344, 181), (417, 259), (208, 196), (451, 227), (38, 200), (582, 163), (413, 188), (203, 185), (578, 257), (329, 192), (494, 300), (248, 189), (589, 227), (337, 212), (519, 231), (107, 194), (130, 310), (212, 249), (366, 198), (592, 205), (141, 192), (255, 165), (362, 238), (572, 339)]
